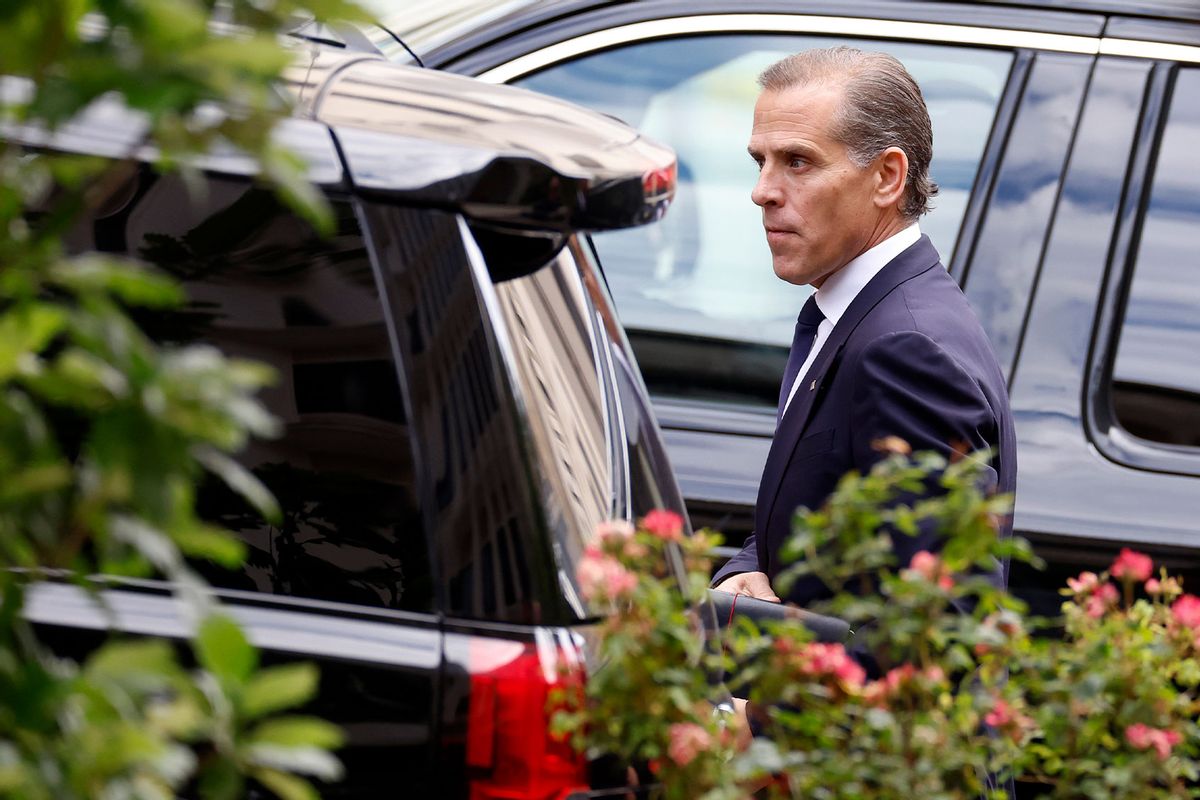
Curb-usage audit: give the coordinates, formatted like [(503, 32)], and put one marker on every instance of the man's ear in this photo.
[(891, 178)]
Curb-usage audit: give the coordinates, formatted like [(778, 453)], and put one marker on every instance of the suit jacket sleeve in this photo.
[(745, 561), (909, 386)]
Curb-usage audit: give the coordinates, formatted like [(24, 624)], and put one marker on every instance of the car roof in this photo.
[(497, 153)]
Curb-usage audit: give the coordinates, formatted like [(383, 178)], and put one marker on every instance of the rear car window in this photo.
[(261, 284), (554, 349), (701, 280), (1156, 375)]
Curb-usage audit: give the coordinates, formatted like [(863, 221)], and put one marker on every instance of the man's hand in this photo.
[(754, 584)]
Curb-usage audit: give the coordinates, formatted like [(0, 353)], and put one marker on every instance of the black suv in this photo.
[(460, 407), (1065, 139)]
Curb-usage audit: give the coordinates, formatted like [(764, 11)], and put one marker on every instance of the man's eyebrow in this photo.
[(797, 148)]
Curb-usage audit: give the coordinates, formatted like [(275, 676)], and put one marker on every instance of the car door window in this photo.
[(263, 285), (701, 280), (1156, 376)]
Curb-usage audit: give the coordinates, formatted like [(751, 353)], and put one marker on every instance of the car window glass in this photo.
[(1156, 376), (262, 285), (549, 321), (704, 273)]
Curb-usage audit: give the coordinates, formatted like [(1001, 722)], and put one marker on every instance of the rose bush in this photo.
[(946, 688)]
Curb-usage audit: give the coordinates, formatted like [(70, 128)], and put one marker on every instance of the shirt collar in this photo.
[(840, 288)]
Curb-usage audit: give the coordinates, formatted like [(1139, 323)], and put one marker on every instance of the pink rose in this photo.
[(664, 524), (1000, 715), (1138, 735), (931, 568), (1153, 587), (830, 661), (603, 577), (687, 740), (1101, 600), (897, 677), (1143, 737), (615, 529), (1086, 582), (849, 673), (1186, 611), (1007, 720), (1165, 741), (1132, 565)]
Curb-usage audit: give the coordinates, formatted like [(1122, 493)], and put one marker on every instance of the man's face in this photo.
[(817, 205)]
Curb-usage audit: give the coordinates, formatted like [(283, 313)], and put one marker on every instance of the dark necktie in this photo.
[(806, 333)]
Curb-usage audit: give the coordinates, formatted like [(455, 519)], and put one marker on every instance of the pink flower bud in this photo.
[(664, 524), (1132, 565), (687, 740), (1007, 720), (1186, 611), (930, 567), (602, 577), (1000, 715), (1101, 600), (614, 529), (1144, 737), (1086, 582)]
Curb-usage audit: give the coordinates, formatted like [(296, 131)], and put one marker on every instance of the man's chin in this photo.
[(789, 272)]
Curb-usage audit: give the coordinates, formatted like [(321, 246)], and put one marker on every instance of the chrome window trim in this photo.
[(787, 23), (1164, 51), (623, 500), (845, 26)]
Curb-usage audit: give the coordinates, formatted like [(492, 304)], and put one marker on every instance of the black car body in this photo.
[(459, 405), (1065, 144)]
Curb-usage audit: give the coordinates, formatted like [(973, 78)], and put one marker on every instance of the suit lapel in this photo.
[(918, 258)]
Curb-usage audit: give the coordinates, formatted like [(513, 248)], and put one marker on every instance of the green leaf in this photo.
[(22, 484), (305, 760), (298, 731), (215, 544), (285, 787), (147, 540), (118, 659), (277, 688), (223, 650), (24, 331), (132, 283)]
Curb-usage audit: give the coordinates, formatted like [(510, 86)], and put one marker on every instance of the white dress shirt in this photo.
[(840, 289)]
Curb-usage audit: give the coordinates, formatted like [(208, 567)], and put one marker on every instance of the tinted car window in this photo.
[(261, 284), (489, 537), (549, 320), (1156, 377), (704, 273)]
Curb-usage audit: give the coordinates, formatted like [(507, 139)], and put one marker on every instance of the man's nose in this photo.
[(766, 189)]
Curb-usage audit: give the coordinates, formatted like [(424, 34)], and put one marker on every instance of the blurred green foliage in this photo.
[(105, 434)]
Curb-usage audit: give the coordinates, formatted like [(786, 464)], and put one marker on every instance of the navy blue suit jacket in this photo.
[(909, 359)]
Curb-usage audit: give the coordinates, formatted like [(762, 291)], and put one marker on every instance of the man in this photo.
[(887, 345)]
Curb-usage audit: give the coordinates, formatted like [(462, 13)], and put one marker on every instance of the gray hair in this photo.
[(881, 107)]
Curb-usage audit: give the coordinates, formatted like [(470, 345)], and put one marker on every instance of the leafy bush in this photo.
[(104, 435), (945, 689)]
